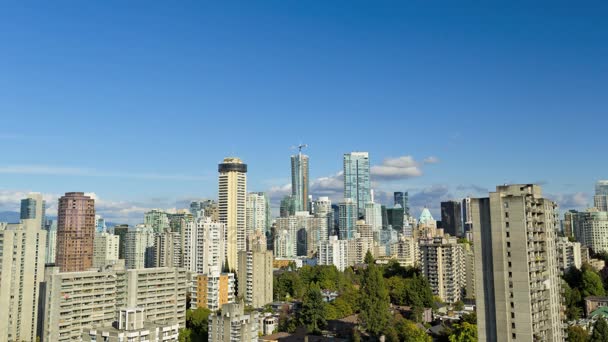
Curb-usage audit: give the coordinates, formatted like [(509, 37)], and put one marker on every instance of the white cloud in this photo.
[(397, 168), (431, 160)]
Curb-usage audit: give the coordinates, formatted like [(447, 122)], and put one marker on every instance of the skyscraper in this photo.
[(517, 283), (34, 207), (139, 247), (356, 179), (600, 200), (451, 218), (258, 213), (466, 215), (75, 232), (22, 257), (233, 206), (348, 219), (402, 198), (299, 181), (255, 277)]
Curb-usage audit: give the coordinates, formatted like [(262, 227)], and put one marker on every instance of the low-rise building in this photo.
[(233, 325), (131, 326)]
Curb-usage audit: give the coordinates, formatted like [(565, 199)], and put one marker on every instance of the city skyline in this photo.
[(149, 108)]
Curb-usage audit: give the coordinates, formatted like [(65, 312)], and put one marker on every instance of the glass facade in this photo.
[(356, 179)]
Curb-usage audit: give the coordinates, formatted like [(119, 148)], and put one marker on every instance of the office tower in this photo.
[(466, 215), (288, 206), (233, 325), (139, 247), (255, 277), (356, 180), (442, 263), (568, 223), (212, 290), (22, 258), (384, 217), (299, 235), (348, 217), (334, 252), (205, 246), (51, 241), (168, 249), (233, 207), (75, 232), (258, 213), (76, 301), (299, 181), (517, 284), (405, 250), (105, 249), (591, 229), (34, 207), (132, 326), (323, 209), (100, 224), (121, 231), (568, 254), (600, 200), (336, 210), (402, 199), (157, 219), (395, 218), (451, 218)]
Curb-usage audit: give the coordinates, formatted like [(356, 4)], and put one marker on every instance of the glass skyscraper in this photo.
[(600, 200), (402, 198), (299, 181), (356, 179), (33, 207)]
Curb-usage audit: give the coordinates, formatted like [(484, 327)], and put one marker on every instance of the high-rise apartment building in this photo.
[(357, 184), (373, 216), (347, 218), (357, 248), (568, 254), (233, 325), (75, 232), (288, 206), (568, 223), (205, 246), (299, 181), (76, 301), (233, 207), (591, 229), (168, 250), (105, 249), (255, 277), (207, 208), (100, 224), (322, 209), (405, 250), (157, 219), (212, 290), (467, 224), (442, 263), (299, 234), (517, 281), (139, 247), (334, 252), (451, 218), (121, 231), (600, 200), (22, 256), (258, 213)]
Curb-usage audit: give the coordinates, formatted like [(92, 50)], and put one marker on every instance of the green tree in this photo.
[(185, 335), (313, 310), (592, 284), (576, 334), (459, 305), (600, 331), (374, 301), (470, 318), (197, 322), (464, 332), (369, 258), (409, 332)]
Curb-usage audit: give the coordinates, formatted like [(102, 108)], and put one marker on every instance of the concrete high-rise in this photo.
[(255, 277), (467, 224), (105, 249), (357, 185), (75, 232), (442, 263), (212, 290), (334, 252), (157, 219), (373, 216), (299, 235), (233, 325), (600, 200), (168, 250), (51, 241), (205, 246), (139, 247), (233, 207), (517, 283), (33, 207), (22, 256), (451, 218), (590, 228), (299, 181)]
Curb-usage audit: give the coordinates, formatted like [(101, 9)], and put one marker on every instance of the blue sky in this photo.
[(138, 101)]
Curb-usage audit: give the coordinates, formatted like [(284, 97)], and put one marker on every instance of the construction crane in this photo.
[(299, 147)]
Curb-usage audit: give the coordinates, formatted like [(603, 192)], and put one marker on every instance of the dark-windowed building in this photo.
[(451, 218)]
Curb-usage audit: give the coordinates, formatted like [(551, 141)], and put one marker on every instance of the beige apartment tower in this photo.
[(517, 281), (255, 277), (75, 232), (233, 207), (22, 254)]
